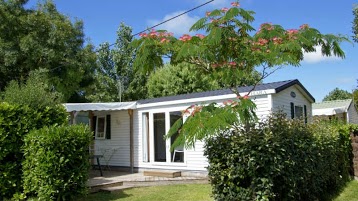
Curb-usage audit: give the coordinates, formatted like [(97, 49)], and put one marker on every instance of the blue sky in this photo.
[(318, 74)]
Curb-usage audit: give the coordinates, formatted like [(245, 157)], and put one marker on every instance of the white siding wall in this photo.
[(194, 158), (352, 114), (117, 148), (282, 100)]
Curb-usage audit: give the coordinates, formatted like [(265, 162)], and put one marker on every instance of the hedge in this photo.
[(57, 162), (279, 159), (15, 123)]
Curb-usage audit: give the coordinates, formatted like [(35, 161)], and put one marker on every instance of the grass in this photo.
[(188, 192), (349, 193)]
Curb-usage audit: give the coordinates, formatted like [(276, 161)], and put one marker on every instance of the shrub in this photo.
[(35, 93), (15, 123), (279, 160), (56, 162)]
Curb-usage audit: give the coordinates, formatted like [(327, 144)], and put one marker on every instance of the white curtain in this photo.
[(145, 137)]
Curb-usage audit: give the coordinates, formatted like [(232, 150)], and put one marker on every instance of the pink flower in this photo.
[(201, 36), (304, 26), (185, 112), (277, 40), (153, 34), (185, 37), (224, 9), (292, 31), (232, 63), (235, 4), (212, 20), (267, 26), (234, 104), (207, 13), (164, 40), (262, 41), (246, 97), (143, 35)]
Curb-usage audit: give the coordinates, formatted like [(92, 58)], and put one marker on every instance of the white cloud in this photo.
[(316, 57), (178, 26)]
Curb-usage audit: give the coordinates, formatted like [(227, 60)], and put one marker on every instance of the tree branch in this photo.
[(264, 75)]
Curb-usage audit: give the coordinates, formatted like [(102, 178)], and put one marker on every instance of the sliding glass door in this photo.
[(161, 146)]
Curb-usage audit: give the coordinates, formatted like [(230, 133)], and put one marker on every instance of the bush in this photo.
[(279, 160), (15, 123), (35, 93), (57, 162)]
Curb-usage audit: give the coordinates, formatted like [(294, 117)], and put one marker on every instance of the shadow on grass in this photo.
[(335, 193), (105, 196)]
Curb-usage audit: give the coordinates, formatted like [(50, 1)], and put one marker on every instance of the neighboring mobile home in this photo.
[(341, 110), (130, 134)]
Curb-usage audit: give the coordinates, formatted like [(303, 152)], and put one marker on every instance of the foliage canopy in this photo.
[(229, 52), (338, 94), (44, 38), (231, 49), (182, 79)]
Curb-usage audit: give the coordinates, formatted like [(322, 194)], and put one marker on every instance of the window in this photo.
[(298, 112), (100, 127)]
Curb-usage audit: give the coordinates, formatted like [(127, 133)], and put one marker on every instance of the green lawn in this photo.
[(349, 193), (189, 192), (197, 192)]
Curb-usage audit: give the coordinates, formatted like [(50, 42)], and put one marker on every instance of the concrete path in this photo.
[(114, 181)]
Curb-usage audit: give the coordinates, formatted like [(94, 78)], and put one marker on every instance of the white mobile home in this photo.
[(342, 110), (130, 134)]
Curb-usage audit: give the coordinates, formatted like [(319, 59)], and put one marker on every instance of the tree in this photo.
[(44, 38), (182, 79), (36, 92), (338, 94), (178, 79), (229, 52), (355, 97), (116, 79), (355, 23)]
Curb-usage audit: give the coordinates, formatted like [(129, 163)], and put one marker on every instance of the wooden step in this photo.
[(115, 188), (96, 188), (158, 173)]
